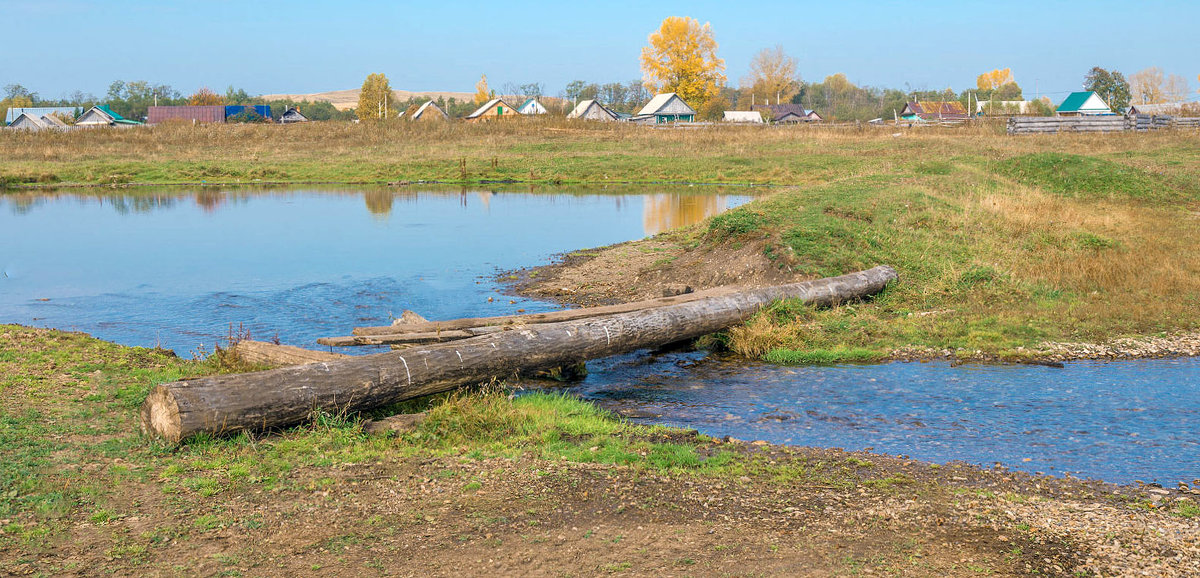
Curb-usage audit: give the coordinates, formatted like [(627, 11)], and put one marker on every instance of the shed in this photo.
[(40, 111), (995, 107), (27, 121), (429, 111), (1085, 103), (186, 113), (934, 110), (743, 116), (532, 106), (591, 109), (492, 109), (664, 108), (292, 114), (101, 115), (789, 113)]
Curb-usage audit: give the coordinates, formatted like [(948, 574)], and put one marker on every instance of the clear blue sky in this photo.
[(302, 46)]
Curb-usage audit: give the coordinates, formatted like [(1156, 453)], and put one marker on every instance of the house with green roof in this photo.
[(101, 115), (1083, 104)]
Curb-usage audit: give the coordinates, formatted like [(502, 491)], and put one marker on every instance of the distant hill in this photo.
[(346, 99)]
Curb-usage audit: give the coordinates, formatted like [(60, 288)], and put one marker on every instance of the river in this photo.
[(179, 268)]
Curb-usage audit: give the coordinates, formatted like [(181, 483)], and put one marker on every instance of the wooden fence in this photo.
[(1056, 124)]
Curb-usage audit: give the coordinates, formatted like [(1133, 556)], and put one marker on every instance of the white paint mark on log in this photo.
[(608, 335), (409, 373), (460, 361)]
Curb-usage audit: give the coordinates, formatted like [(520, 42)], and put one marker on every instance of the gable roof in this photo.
[(292, 114), (39, 111), (662, 101), (488, 105), (581, 109), (27, 121), (782, 111), (936, 109), (532, 106), (1078, 101), (429, 103)]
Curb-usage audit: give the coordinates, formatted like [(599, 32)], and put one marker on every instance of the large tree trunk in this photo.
[(282, 397)]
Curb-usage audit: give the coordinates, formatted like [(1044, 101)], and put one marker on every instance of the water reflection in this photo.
[(176, 268), (660, 211)]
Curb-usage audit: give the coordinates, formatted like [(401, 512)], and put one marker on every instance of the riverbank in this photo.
[(537, 485)]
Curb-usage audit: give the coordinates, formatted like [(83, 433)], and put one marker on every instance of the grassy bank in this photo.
[(540, 484), (1002, 242)]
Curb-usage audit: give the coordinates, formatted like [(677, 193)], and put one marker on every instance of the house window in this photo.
[(499, 110)]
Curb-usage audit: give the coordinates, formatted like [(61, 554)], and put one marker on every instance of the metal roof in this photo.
[(1076, 100), (40, 111), (488, 105), (660, 101)]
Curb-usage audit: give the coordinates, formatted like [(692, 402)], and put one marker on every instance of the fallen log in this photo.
[(262, 353), (282, 397), (552, 316)]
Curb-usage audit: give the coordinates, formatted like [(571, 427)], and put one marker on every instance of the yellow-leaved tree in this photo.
[(482, 93), (994, 79), (772, 76), (205, 97), (375, 98), (682, 58)]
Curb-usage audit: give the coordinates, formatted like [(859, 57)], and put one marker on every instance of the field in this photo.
[(1003, 243)]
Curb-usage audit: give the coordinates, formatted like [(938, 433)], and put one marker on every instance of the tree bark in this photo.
[(283, 397)]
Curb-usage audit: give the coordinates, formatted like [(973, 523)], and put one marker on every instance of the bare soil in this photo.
[(645, 269)]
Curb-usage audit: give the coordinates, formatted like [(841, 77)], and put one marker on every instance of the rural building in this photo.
[(39, 112), (743, 116), (664, 108), (101, 115), (292, 114), (532, 106), (1083, 104), (789, 113), (1168, 108), (994, 107), (263, 110), (429, 111), (27, 121), (192, 114), (934, 110), (491, 110), (591, 109)]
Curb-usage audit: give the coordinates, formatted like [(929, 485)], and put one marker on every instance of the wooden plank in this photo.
[(262, 353), (227, 404), (396, 338)]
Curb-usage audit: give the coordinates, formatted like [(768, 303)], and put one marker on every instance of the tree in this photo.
[(990, 81), (773, 75), (1176, 89), (374, 100), (1109, 86), (132, 99), (1146, 86), (205, 97), (482, 94), (682, 58)]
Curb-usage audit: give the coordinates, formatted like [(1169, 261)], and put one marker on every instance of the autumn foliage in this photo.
[(682, 58), (994, 79), (205, 97)]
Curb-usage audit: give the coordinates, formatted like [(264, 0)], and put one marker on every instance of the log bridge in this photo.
[(444, 355)]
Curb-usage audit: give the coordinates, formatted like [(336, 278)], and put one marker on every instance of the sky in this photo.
[(303, 46)]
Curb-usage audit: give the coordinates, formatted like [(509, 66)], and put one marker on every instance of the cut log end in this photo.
[(160, 415)]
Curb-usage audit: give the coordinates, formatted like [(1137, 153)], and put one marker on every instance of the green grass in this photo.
[(1087, 177)]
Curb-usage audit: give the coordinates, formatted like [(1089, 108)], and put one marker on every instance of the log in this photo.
[(564, 315), (228, 404), (262, 353), (396, 338)]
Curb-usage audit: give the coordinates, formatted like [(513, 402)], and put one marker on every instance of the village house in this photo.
[(100, 115), (742, 116), (291, 115), (664, 108), (591, 109), (27, 121), (1083, 104), (926, 110), (40, 111), (429, 111), (788, 113), (532, 106), (491, 110)]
